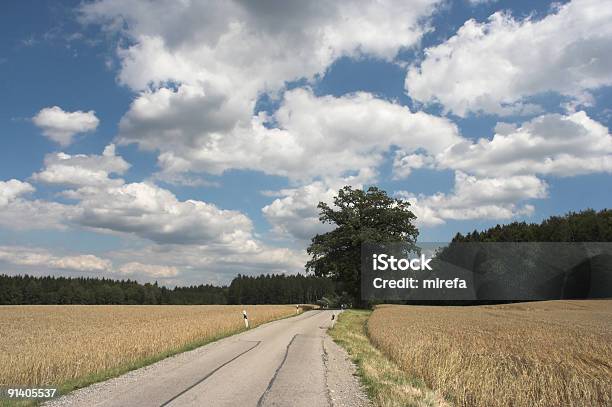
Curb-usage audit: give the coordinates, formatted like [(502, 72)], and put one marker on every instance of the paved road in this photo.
[(281, 363)]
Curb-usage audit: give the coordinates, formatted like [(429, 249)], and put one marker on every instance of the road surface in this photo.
[(282, 363)]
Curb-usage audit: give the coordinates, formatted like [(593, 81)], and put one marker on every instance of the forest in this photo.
[(585, 226), (264, 289)]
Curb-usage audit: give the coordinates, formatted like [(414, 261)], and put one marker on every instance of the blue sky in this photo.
[(187, 143)]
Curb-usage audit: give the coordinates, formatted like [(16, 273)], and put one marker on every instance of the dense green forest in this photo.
[(264, 289), (531, 271), (584, 226), (279, 289)]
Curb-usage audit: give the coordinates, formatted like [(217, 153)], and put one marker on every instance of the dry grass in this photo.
[(55, 345), (555, 353)]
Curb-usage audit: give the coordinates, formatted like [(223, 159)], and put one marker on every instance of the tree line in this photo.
[(264, 289), (584, 226), (530, 271), (279, 289)]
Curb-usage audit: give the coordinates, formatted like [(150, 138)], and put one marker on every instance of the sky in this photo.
[(186, 142)]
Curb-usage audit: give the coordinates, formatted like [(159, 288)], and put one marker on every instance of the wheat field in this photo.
[(553, 353), (50, 345)]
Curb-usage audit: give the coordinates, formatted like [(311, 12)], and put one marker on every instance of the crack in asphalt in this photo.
[(260, 401), (211, 373), (325, 357)]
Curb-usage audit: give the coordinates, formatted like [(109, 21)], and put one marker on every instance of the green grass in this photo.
[(386, 384)]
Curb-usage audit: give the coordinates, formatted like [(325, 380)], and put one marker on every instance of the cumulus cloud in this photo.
[(17, 212), (404, 163), (11, 189), (196, 98), (553, 144), (154, 213), (35, 257), (495, 66), (217, 264), (176, 236), (199, 79), (477, 198), (150, 270), (82, 170), (61, 126), (85, 262), (142, 209), (347, 134), (259, 46), (175, 264), (39, 259), (295, 214), (548, 145)]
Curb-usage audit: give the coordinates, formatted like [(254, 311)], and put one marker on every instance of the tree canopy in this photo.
[(360, 216), (584, 226)]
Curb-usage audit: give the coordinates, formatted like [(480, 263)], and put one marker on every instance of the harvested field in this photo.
[(54, 345), (553, 353)]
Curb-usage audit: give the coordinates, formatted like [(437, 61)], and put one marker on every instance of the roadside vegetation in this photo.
[(553, 353), (73, 346), (386, 384)]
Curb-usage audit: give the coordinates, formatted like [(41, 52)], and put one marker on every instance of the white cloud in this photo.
[(175, 264), (404, 163), (494, 66), (140, 208), (259, 46), (82, 170), (154, 213), (477, 198), (61, 126), (552, 145), (25, 214), (295, 213), (216, 263), (344, 134), (11, 189), (150, 270), (18, 212), (85, 262), (560, 145), (175, 237), (352, 133), (35, 257), (43, 260), (200, 67)]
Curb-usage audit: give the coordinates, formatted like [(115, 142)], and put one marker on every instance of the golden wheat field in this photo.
[(553, 353), (50, 345)]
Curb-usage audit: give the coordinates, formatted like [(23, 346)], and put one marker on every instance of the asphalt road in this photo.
[(282, 363)]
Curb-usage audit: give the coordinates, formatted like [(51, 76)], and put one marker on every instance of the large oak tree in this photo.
[(360, 217)]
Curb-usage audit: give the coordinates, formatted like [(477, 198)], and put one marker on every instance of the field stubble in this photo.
[(554, 353), (54, 345)]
